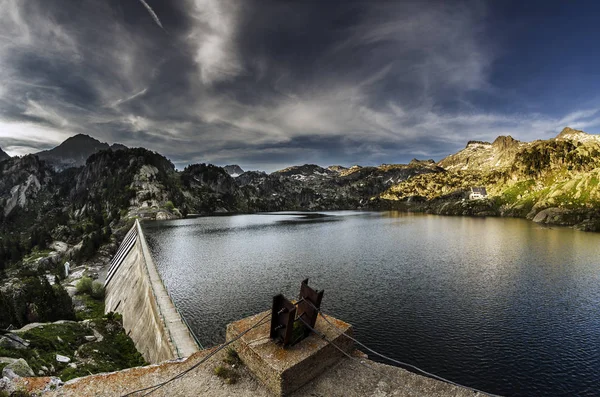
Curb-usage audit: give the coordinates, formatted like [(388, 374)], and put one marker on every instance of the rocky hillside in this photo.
[(21, 179), (75, 151), (478, 155), (550, 181)]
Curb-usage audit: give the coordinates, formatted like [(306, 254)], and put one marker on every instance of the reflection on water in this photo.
[(498, 304)]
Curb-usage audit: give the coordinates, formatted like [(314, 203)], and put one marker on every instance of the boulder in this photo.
[(7, 385), (18, 368), (62, 359), (59, 247), (7, 360), (13, 342), (560, 216)]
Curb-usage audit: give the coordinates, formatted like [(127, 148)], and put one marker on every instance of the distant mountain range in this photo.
[(554, 181)]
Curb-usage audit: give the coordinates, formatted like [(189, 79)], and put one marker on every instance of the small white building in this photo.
[(477, 193)]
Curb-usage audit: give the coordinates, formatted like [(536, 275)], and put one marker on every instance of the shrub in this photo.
[(170, 206), (84, 286), (97, 291), (228, 375), (232, 357)]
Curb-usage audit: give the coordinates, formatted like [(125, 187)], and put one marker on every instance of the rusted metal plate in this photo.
[(309, 305), (283, 316)]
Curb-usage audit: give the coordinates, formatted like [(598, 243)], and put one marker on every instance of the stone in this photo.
[(90, 338), (73, 365), (19, 368), (285, 370), (98, 335), (53, 384), (14, 342), (59, 339), (7, 385), (8, 373), (62, 359), (59, 247)]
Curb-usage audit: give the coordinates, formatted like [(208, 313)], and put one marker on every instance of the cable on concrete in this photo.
[(183, 373), (399, 362), (322, 336)]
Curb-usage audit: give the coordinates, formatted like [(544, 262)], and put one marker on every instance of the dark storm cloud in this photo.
[(260, 83)]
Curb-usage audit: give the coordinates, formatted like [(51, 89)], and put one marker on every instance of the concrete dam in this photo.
[(135, 290)]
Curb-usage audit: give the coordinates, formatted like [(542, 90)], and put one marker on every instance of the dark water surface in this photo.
[(502, 305)]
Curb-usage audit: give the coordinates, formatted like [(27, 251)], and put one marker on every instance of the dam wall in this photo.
[(135, 290)]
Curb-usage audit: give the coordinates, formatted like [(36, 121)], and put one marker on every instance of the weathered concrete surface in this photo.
[(347, 378), (149, 316), (286, 370)]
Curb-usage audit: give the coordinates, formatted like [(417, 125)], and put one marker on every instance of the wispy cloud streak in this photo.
[(152, 14)]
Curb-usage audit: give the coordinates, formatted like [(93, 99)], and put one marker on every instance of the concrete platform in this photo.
[(283, 371)]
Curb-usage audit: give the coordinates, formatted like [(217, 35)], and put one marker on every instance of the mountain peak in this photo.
[(233, 170), (80, 138), (477, 143), (504, 142), (569, 132), (73, 152)]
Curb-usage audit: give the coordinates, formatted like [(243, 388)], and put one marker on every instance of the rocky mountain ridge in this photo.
[(522, 179), (557, 178)]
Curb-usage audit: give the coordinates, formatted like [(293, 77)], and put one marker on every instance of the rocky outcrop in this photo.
[(505, 142), (21, 179), (19, 368), (574, 135), (484, 156), (233, 170)]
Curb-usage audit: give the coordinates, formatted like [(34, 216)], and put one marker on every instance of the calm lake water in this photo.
[(502, 305)]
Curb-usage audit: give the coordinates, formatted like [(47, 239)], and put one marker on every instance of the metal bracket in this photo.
[(309, 305), (285, 326), (283, 316)]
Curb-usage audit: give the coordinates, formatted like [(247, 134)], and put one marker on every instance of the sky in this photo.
[(268, 84)]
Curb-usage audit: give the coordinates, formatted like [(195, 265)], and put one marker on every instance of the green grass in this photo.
[(94, 308), (115, 352), (44, 345), (84, 285), (35, 255), (511, 195)]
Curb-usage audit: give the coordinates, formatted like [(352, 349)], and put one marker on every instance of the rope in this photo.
[(183, 373)]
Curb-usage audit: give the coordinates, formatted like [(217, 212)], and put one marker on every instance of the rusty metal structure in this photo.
[(286, 326)]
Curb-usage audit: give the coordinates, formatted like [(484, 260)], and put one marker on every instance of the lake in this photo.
[(502, 305)]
